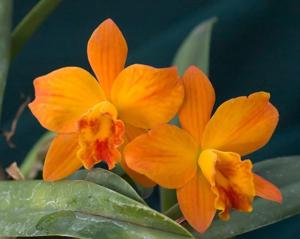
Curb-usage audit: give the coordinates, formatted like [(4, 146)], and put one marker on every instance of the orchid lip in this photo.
[(100, 135)]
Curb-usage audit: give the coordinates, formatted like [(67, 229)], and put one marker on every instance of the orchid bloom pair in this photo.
[(92, 119), (202, 161)]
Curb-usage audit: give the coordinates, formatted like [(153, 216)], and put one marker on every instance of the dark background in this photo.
[(255, 46)]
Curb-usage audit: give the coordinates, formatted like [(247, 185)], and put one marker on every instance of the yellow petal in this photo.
[(197, 202), (198, 102), (231, 180), (61, 160), (63, 96), (266, 189), (100, 135), (167, 155), (242, 124), (147, 96), (107, 52)]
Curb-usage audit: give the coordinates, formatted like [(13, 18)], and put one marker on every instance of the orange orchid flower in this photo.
[(93, 118), (202, 161)]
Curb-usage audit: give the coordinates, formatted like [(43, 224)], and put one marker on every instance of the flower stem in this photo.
[(167, 198), (31, 23), (173, 212)]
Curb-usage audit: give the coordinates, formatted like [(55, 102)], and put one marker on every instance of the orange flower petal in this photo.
[(231, 180), (197, 202), (61, 160), (266, 189), (131, 133), (242, 124), (63, 96), (107, 52), (100, 135), (147, 96), (167, 155), (198, 102), (137, 177)]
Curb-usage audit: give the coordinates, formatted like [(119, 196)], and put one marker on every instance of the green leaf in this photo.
[(35, 157), (283, 172), (141, 190), (5, 24), (31, 22), (109, 180), (195, 48), (78, 209)]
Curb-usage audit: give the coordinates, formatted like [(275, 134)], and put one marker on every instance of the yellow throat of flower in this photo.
[(100, 134), (231, 180)]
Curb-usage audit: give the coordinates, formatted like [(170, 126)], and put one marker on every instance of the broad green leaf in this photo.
[(283, 172), (195, 48), (5, 24), (141, 190), (36, 156), (64, 222), (78, 209), (109, 180)]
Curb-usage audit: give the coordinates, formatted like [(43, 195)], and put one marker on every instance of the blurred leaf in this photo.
[(109, 180), (195, 48), (283, 172), (33, 161), (5, 25), (31, 22), (78, 209)]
